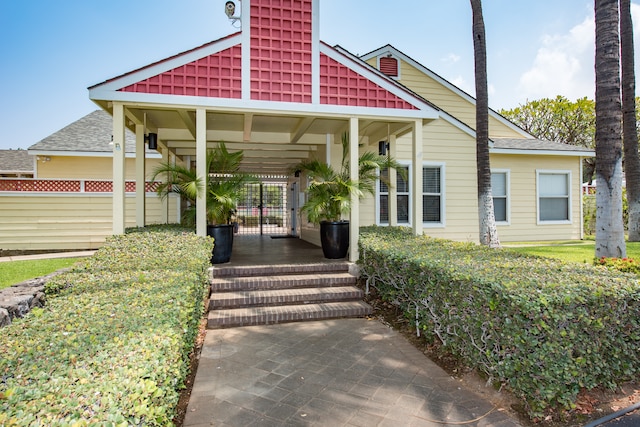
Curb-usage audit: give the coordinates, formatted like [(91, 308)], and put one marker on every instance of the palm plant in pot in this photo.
[(329, 194), (223, 186)]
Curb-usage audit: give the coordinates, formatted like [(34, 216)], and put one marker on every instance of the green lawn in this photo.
[(574, 251), (12, 272)]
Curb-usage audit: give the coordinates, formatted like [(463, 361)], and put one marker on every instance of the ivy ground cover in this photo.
[(112, 345)]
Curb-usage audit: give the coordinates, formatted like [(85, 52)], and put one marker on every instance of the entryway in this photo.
[(267, 208)]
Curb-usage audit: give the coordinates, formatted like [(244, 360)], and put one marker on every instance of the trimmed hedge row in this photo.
[(545, 328), (112, 347)]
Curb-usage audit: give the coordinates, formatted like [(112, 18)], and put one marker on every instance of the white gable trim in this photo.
[(164, 66), (383, 81), (396, 53)]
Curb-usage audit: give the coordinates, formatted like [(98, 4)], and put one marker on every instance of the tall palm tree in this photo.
[(629, 131), (609, 228), (486, 215)]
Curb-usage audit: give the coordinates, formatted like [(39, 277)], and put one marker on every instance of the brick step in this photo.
[(283, 314), (222, 284), (278, 270), (226, 300)]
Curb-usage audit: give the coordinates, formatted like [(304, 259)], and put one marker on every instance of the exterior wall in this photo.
[(73, 167), (523, 198), (455, 150), (447, 100), (67, 221)]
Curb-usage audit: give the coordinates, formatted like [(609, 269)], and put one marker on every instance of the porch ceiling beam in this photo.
[(188, 121), (248, 125), (301, 129), (135, 117), (248, 146), (282, 156)]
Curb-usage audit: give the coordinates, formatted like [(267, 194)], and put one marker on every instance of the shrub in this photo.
[(545, 328), (112, 347), (627, 265)]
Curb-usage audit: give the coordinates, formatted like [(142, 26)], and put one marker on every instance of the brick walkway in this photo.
[(346, 372)]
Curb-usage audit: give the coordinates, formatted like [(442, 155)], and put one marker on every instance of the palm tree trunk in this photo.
[(486, 215), (629, 132), (609, 228)]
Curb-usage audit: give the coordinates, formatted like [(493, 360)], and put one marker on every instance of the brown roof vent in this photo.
[(389, 66)]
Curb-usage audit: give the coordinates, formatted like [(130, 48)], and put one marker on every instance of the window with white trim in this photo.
[(554, 196), (500, 193), (432, 194), (402, 197)]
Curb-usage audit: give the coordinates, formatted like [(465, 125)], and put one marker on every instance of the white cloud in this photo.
[(451, 58), (563, 65), (461, 83)]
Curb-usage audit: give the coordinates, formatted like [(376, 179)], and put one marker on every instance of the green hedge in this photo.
[(112, 345), (545, 328)]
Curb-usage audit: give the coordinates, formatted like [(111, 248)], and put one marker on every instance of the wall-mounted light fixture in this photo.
[(383, 147), (152, 139)]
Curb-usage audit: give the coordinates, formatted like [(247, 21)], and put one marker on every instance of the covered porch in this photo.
[(272, 90)]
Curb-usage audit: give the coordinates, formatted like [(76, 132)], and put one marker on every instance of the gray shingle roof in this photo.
[(537, 145), (92, 133), (15, 161)]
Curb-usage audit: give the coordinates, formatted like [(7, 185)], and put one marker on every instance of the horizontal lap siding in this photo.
[(68, 167), (523, 193), (447, 145), (450, 101), (30, 222)]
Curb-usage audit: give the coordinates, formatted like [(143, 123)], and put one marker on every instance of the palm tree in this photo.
[(223, 184), (609, 228), (330, 190), (486, 214), (629, 131)]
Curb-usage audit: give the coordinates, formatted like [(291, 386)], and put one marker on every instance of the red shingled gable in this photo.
[(280, 66)]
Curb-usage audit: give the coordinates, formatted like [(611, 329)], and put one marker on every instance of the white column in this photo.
[(164, 203), (354, 221), (201, 170), (416, 188), (118, 169), (141, 196), (393, 187)]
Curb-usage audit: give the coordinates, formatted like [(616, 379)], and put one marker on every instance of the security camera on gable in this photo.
[(230, 9)]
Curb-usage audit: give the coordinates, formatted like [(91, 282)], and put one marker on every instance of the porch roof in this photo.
[(273, 89)]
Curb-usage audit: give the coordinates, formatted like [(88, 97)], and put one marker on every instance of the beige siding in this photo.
[(444, 144), (523, 197), (68, 167), (36, 221), (447, 100)]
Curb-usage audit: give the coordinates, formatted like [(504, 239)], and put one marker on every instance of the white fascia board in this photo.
[(384, 83), (163, 66), (445, 83), (256, 106), (542, 152)]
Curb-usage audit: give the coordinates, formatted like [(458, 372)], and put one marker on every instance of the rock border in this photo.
[(18, 300)]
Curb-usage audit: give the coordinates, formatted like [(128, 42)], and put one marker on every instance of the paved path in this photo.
[(346, 372)]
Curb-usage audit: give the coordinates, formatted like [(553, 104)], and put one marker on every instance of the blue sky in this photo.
[(52, 51)]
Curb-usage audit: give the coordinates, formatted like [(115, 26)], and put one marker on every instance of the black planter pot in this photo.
[(334, 236), (223, 242)]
